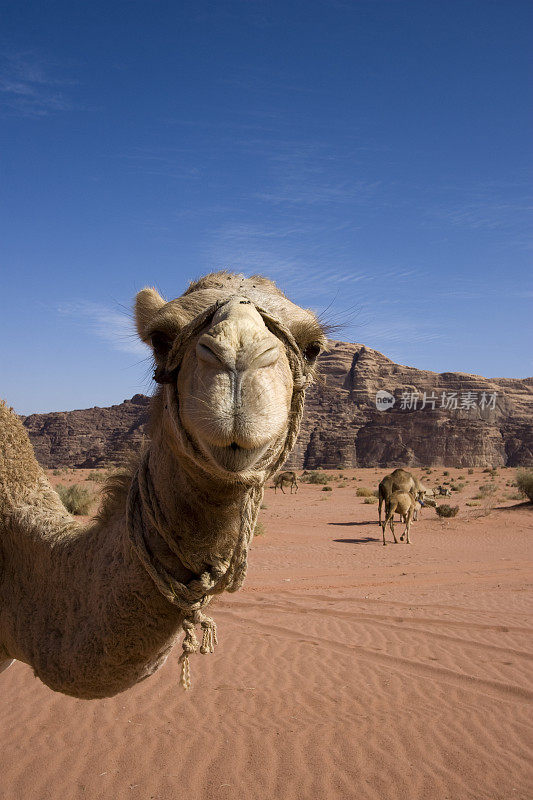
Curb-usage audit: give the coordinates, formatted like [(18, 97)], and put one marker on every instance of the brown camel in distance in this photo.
[(402, 503), (400, 480), (96, 608), (288, 477)]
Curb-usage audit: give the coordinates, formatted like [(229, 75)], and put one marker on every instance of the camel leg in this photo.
[(281, 487), (380, 503), (383, 526), (408, 526), (391, 525)]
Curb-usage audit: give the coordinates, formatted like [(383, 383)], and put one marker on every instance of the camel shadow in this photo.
[(349, 524), (365, 540)]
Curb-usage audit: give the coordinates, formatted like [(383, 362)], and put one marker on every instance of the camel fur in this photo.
[(87, 606), (288, 477)]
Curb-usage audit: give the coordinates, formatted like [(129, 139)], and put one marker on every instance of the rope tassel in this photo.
[(190, 643), (209, 637)]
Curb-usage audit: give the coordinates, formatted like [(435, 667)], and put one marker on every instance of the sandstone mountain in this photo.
[(451, 419)]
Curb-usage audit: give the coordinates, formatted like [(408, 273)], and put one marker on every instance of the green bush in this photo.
[(76, 499), (524, 482), (447, 511), (327, 489), (362, 491)]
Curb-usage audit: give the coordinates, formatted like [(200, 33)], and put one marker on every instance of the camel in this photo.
[(399, 480), (96, 608), (402, 503), (286, 477)]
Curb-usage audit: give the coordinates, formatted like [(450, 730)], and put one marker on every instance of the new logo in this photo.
[(384, 400)]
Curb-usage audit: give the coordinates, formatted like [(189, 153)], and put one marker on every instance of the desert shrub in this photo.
[(472, 503), (458, 487), (486, 489), (315, 477), (369, 500), (259, 529), (470, 471), (445, 472), (327, 489), (430, 502), (56, 472), (446, 510), (76, 499), (97, 477), (524, 482), (362, 491)]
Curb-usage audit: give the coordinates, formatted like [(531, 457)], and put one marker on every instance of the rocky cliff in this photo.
[(365, 411)]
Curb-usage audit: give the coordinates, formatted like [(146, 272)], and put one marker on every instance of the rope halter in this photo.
[(143, 503)]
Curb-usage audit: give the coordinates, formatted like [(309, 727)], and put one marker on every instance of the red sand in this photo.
[(344, 670)]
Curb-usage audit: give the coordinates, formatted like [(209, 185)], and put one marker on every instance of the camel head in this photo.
[(232, 354)]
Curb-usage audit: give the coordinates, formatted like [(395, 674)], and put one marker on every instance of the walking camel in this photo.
[(402, 503), (94, 609), (287, 477), (400, 480)]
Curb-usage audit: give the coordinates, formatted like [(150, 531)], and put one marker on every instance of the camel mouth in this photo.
[(235, 457)]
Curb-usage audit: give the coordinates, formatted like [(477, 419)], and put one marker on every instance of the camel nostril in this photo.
[(234, 446), (207, 353)]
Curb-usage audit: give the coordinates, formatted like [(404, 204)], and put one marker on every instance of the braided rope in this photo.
[(142, 502)]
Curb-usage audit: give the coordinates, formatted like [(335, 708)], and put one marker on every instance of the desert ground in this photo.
[(344, 669)]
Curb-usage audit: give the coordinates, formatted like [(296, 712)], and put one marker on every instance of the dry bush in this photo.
[(362, 491), (315, 477), (97, 477), (485, 490), (259, 529), (327, 489), (524, 482), (369, 500), (447, 511), (76, 499)]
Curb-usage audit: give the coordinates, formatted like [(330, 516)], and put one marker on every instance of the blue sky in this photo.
[(371, 156)]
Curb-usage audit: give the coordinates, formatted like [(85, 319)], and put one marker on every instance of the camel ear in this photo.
[(147, 303)]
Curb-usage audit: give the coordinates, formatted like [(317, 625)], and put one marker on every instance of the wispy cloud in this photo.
[(114, 327), (27, 89)]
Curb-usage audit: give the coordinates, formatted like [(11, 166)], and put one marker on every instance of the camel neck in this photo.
[(204, 515)]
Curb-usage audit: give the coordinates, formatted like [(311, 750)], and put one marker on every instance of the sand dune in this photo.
[(344, 670)]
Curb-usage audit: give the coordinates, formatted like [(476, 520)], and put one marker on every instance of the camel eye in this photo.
[(311, 352), (161, 343)]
